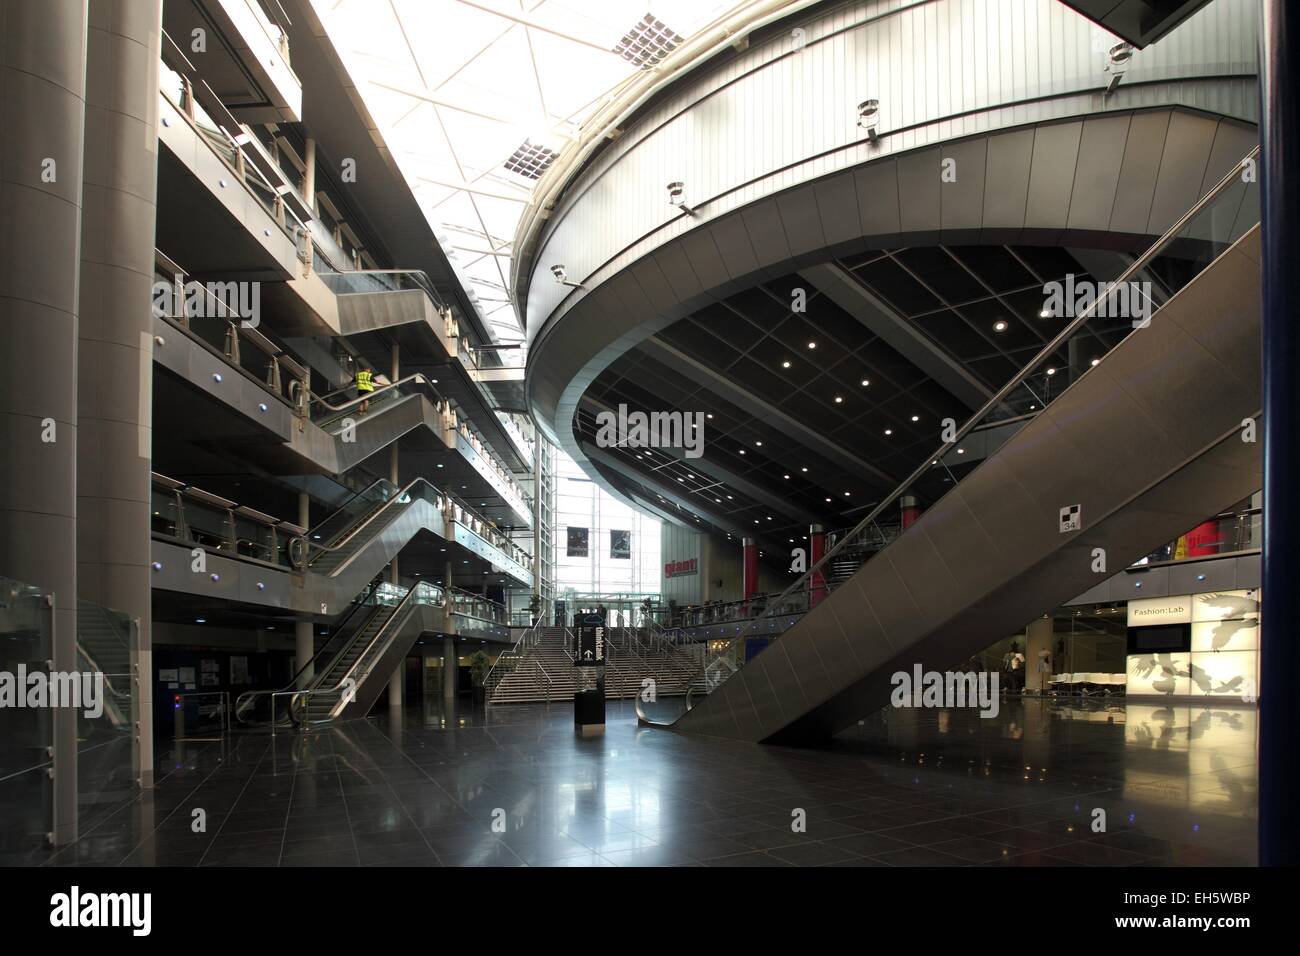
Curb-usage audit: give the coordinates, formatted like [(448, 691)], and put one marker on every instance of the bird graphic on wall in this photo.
[(1239, 614)]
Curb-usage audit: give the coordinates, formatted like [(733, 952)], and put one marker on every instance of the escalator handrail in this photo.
[(418, 378), (293, 681), (400, 612), (398, 496), (1061, 338)]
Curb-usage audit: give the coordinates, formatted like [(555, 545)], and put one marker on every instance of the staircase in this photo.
[(540, 668)]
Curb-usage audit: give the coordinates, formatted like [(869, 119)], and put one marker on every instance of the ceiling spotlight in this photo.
[(742, 451), (759, 444), (1117, 60), (1051, 371), (1000, 326), (803, 469), (869, 118), (838, 399), (562, 277), (828, 501), (787, 477), (1045, 313), (812, 345), (1096, 362), (916, 418), (889, 431), (866, 382), (785, 364), (677, 197)]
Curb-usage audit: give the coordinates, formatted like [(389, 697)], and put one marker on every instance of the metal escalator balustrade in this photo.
[(1224, 215), (334, 689)]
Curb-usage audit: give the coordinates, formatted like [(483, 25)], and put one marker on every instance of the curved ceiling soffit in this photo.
[(1030, 189)]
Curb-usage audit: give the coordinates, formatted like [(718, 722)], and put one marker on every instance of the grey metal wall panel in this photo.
[(1096, 175), (1056, 150), (1182, 168), (837, 205), (731, 239), (918, 180), (961, 202), (766, 235), (802, 222), (1139, 171), (1006, 181), (877, 189)]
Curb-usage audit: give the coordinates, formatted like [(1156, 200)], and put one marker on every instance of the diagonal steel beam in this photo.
[(721, 474), (741, 397), (842, 287)]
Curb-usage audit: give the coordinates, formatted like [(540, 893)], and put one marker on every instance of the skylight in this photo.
[(476, 98)]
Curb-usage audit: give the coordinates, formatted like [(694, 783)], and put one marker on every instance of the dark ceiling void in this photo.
[(815, 405)]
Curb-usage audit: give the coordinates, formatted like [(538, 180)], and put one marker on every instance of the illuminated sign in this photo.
[(677, 569)]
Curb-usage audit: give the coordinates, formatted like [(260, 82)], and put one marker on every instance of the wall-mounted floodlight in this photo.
[(677, 197), (1117, 61), (869, 118), (562, 277)]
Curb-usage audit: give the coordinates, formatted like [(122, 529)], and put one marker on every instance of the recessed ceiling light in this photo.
[(785, 364), (889, 431), (999, 326), (759, 444), (847, 494), (1051, 371), (812, 345), (828, 500), (866, 382), (709, 415), (787, 477), (838, 399), (1045, 314), (916, 418), (742, 451), (1096, 362), (803, 469)]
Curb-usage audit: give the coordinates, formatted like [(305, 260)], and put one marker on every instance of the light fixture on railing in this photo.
[(677, 197), (562, 277), (869, 118)]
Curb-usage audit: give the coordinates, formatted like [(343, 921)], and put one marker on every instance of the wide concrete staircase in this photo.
[(540, 668)]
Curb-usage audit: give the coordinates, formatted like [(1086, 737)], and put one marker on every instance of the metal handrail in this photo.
[(401, 493), (311, 661), (1018, 379), (417, 377), (400, 611)]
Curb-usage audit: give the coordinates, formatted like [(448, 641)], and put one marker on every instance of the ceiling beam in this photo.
[(735, 393), (843, 288), (720, 473)]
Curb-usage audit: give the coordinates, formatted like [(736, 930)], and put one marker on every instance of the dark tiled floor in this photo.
[(906, 788)]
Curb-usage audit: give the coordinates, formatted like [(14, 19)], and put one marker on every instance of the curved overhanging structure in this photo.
[(1043, 146)]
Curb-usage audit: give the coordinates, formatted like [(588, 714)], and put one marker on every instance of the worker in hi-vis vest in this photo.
[(365, 387)]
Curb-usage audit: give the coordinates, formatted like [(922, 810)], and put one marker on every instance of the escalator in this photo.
[(350, 436), (349, 673), (1154, 432)]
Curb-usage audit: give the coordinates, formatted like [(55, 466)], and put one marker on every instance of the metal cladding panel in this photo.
[(676, 265), (1182, 168), (1056, 154), (918, 181), (801, 219), (878, 206), (1096, 175), (658, 293), (962, 192), (837, 204), (1139, 172), (1232, 141), (731, 239), (1006, 183), (766, 234)]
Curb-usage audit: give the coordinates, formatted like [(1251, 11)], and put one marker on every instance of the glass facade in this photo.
[(602, 545)]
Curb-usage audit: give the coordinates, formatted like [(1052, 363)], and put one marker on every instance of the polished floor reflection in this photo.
[(514, 786)]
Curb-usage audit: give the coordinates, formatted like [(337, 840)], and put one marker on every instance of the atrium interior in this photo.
[(594, 433)]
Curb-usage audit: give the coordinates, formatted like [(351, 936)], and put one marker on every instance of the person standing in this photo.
[(365, 387)]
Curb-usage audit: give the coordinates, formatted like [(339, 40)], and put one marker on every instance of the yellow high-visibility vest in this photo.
[(365, 381)]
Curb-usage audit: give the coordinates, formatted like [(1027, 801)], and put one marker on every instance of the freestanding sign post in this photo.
[(589, 658)]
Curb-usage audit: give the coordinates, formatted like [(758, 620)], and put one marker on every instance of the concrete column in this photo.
[(115, 334), (450, 668), (304, 631), (395, 686), (43, 86), (304, 642), (1038, 637), (309, 174)]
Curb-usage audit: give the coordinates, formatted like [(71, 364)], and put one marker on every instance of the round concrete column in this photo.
[(42, 86), (115, 334), (450, 668)]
